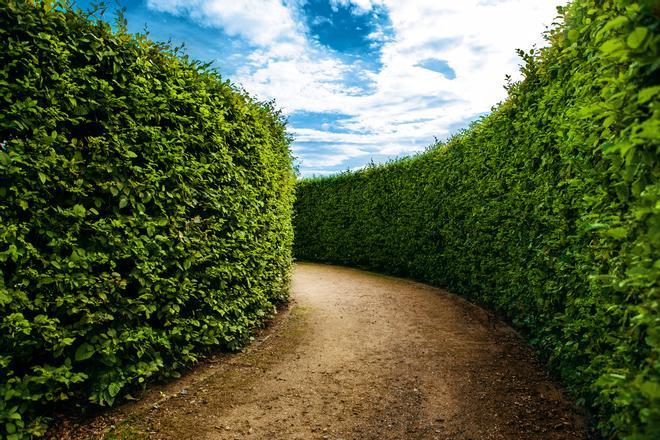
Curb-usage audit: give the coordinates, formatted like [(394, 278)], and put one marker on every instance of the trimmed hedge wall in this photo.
[(547, 211), (145, 213)]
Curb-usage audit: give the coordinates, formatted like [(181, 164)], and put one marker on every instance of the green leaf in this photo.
[(651, 390), (43, 178), (611, 46), (618, 233), (615, 23), (637, 37), (123, 202), (79, 210), (84, 352), (114, 389), (645, 95)]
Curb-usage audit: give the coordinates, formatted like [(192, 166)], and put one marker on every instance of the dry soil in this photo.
[(360, 356)]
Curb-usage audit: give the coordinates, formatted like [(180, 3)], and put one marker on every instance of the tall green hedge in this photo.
[(546, 211), (145, 212)]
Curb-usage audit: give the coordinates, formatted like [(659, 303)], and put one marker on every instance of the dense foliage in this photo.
[(145, 212), (547, 211)]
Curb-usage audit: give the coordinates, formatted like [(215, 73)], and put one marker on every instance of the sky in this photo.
[(359, 80)]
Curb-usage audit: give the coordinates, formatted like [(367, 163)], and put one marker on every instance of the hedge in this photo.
[(145, 214), (547, 211)]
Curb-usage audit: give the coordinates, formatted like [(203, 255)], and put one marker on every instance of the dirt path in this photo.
[(364, 356)]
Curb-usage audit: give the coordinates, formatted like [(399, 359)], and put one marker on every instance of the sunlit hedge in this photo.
[(145, 212), (547, 211)]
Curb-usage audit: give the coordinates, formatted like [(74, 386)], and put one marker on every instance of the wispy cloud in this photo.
[(440, 64)]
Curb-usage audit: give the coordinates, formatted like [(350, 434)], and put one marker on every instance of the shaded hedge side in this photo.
[(547, 211), (145, 212)]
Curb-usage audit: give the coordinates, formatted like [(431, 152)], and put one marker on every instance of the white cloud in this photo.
[(309, 172), (359, 6), (406, 105), (339, 154), (262, 22)]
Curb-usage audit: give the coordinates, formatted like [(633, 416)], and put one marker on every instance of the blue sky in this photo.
[(360, 80)]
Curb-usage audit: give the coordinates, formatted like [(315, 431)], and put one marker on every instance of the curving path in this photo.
[(365, 356)]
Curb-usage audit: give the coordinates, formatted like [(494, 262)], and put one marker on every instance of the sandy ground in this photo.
[(360, 356)]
